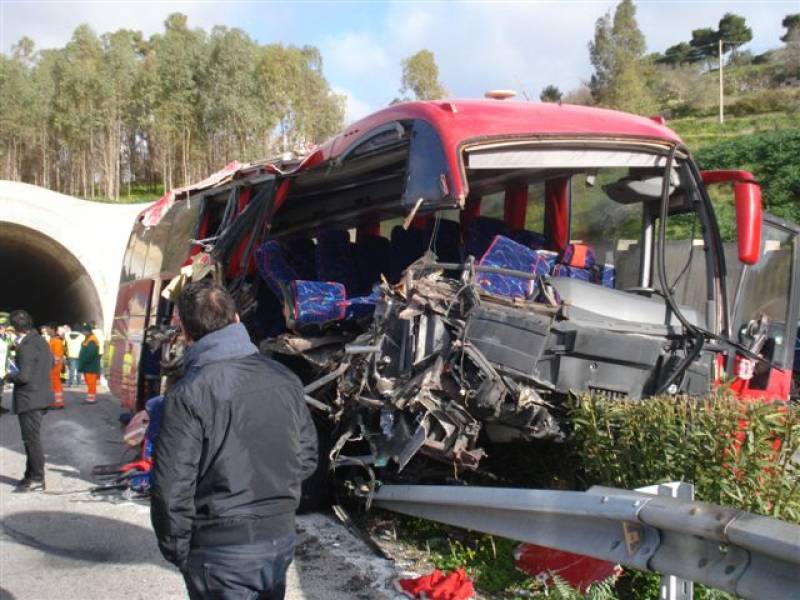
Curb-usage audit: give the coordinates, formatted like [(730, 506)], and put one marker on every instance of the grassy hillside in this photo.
[(768, 145), (707, 131)]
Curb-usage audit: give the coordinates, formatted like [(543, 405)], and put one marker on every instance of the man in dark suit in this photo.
[(32, 395)]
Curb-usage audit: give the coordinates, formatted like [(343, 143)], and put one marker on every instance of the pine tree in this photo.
[(678, 54), (551, 94), (705, 43), (734, 31), (792, 25)]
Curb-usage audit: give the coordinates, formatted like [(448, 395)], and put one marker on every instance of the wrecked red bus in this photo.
[(443, 275)]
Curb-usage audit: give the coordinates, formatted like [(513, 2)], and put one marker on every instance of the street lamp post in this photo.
[(721, 90)]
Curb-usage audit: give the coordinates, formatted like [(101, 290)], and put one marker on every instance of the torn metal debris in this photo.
[(442, 362)]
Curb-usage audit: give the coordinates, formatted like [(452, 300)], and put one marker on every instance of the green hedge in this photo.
[(725, 448), (772, 157)]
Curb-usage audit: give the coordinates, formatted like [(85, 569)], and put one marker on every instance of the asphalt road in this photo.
[(66, 543)]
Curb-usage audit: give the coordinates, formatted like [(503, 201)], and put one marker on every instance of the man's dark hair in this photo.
[(21, 320), (205, 307)]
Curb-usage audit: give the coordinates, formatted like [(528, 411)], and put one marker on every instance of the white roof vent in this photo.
[(500, 94)]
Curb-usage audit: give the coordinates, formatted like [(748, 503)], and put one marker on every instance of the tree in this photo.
[(550, 94), (14, 95), (617, 53), (791, 53), (705, 43), (119, 68), (231, 115), (734, 31), (792, 25), (421, 76), (24, 51), (119, 107), (581, 95), (678, 54), (179, 55), (304, 107), (78, 106)]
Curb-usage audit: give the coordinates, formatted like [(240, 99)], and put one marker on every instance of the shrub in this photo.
[(772, 156), (726, 448), (762, 101)]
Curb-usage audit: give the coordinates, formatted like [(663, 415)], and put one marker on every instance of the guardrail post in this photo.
[(672, 587)]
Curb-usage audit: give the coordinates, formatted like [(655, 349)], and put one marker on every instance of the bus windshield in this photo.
[(605, 203)]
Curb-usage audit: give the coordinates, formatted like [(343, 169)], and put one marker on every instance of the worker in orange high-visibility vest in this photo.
[(56, 343), (89, 363)]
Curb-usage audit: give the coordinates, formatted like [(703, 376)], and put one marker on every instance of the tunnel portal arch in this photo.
[(45, 278), (60, 257)]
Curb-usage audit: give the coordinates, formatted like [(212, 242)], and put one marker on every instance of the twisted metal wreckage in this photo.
[(437, 361)]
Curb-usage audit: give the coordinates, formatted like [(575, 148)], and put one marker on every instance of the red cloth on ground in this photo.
[(578, 571), (438, 586)]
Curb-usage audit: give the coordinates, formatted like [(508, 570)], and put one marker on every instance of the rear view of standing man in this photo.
[(32, 395), (89, 363), (235, 442)]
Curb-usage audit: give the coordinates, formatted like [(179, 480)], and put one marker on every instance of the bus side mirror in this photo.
[(748, 220), (747, 200)]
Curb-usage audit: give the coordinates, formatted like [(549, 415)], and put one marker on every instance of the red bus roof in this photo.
[(457, 121)]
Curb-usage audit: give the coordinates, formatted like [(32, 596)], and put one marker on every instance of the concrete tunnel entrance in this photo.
[(40, 275)]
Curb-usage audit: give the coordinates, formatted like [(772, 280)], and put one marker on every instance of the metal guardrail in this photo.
[(724, 548)]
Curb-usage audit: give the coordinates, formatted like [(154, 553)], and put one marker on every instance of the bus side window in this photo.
[(139, 242), (127, 274), (534, 215), (176, 246), (493, 205), (159, 235)]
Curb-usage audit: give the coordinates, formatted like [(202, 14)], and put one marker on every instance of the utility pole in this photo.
[(721, 92)]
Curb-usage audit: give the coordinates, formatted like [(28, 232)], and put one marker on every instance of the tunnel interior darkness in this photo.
[(41, 276)]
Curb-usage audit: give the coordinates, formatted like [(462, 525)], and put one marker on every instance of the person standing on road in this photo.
[(89, 363), (73, 341), (235, 442), (32, 395), (5, 347), (56, 344)]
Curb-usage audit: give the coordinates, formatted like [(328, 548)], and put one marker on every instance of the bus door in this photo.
[(159, 319), (765, 313)]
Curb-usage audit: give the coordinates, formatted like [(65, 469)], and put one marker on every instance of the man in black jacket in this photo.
[(236, 441), (32, 395)]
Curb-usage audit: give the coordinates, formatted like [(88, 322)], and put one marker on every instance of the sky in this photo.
[(478, 46)]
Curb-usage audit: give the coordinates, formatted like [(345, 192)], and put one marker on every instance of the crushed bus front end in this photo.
[(444, 275)]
